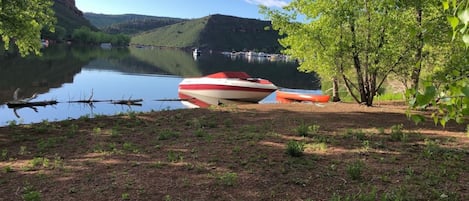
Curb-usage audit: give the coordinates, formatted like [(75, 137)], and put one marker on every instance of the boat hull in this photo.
[(217, 90), (289, 97)]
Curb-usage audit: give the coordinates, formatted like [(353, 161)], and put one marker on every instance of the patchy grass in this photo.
[(246, 152)]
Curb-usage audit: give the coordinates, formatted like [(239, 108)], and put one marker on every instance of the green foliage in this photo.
[(4, 155), (397, 134), (174, 156), (167, 134), (86, 36), (355, 169), (125, 196), (7, 169), (305, 129), (432, 149), (449, 94), (228, 178), (295, 148), (30, 194), (448, 88), (361, 42), (353, 40), (21, 22), (128, 146), (458, 18)]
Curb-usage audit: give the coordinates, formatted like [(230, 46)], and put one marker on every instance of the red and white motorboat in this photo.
[(226, 88)]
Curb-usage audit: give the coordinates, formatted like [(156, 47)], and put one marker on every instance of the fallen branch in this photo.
[(90, 100), (21, 104), (128, 102), (17, 103)]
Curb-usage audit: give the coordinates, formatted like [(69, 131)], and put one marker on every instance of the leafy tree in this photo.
[(448, 88), (361, 42), (21, 22)]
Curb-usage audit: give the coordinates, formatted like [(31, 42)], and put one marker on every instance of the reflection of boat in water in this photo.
[(224, 88), (106, 46), (196, 52), (288, 96)]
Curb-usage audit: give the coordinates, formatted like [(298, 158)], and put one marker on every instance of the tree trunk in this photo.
[(357, 66), (415, 76), (335, 90)]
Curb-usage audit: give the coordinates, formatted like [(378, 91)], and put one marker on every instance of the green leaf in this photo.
[(430, 93), (444, 120), (464, 16), (465, 38), (465, 111), (453, 21), (417, 118), (435, 118), (465, 90), (445, 5), (463, 30)]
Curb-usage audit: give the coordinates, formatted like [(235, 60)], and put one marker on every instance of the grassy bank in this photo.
[(336, 151)]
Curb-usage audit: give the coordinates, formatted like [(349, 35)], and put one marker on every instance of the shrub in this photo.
[(295, 148), (305, 129), (228, 179), (397, 134), (355, 170)]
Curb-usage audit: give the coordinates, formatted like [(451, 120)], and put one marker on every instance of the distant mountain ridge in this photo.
[(215, 32), (129, 23)]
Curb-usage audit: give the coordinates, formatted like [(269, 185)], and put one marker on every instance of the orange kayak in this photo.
[(288, 97)]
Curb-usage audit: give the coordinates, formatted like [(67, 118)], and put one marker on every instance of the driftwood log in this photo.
[(21, 104), (18, 103), (128, 102), (26, 102)]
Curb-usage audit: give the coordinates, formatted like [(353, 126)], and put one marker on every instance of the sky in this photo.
[(188, 9)]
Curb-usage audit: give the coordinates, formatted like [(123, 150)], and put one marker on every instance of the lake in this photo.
[(67, 74)]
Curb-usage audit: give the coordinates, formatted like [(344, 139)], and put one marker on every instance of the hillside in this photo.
[(69, 17), (216, 32), (129, 23)]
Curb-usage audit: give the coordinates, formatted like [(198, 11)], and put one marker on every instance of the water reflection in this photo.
[(66, 74), (172, 61), (37, 75)]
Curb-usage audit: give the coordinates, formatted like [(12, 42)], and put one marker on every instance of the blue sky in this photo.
[(180, 8)]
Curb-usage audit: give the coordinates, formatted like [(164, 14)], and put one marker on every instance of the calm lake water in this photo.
[(66, 74)]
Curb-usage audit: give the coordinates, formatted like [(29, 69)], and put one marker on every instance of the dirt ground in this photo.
[(332, 151)]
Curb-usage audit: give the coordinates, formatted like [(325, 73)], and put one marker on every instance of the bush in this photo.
[(355, 170), (295, 148)]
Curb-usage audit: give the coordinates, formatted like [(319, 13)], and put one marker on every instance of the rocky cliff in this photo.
[(71, 5)]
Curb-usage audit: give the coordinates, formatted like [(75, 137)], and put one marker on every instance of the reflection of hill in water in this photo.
[(173, 61), (124, 65), (37, 74)]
